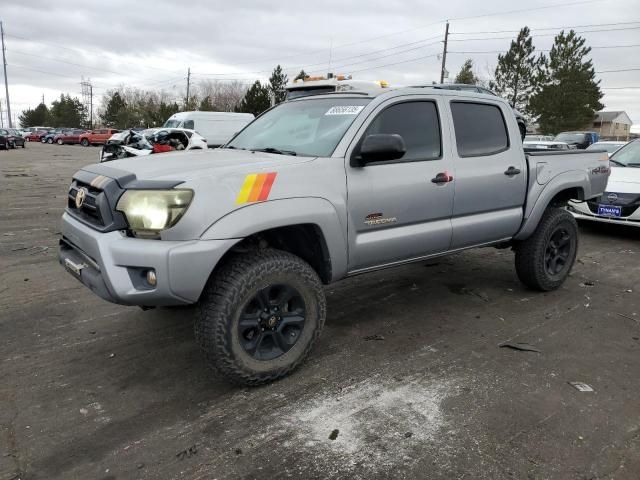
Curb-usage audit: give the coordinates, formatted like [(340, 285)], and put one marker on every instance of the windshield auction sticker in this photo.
[(345, 110)]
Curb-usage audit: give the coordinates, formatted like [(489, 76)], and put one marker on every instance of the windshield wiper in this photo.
[(633, 164), (277, 151), (618, 163), (234, 148)]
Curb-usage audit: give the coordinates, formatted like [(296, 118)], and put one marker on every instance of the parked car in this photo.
[(544, 145), (28, 130), (98, 136), (130, 143), (51, 134), (315, 190), (538, 138), (14, 138), (36, 135), (620, 203), (216, 127), (68, 137), (5, 138), (609, 146), (579, 140)]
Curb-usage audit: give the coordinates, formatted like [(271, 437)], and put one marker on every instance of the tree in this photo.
[(569, 95), (34, 117), (115, 105), (66, 112), (206, 105), (466, 74), (256, 100), (301, 76), (277, 82), (517, 75)]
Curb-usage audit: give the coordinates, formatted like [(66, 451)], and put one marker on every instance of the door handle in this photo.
[(442, 177), (511, 171)]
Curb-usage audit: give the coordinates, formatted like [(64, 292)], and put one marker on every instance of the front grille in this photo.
[(90, 210), (629, 203)]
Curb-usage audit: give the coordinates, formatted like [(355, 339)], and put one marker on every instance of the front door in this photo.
[(401, 209)]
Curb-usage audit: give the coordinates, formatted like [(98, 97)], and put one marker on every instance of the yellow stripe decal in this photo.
[(243, 196)]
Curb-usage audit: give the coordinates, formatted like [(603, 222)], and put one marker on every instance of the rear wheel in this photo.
[(84, 142), (27, 139), (60, 142), (259, 316), (6, 145), (544, 260), (49, 141)]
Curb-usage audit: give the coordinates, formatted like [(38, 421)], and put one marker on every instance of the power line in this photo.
[(548, 28), (635, 69), (546, 50), (543, 34)]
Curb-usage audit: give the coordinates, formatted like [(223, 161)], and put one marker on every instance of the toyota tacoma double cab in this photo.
[(314, 190)]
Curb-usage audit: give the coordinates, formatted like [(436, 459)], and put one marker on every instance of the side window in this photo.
[(480, 129), (417, 123), (188, 124)]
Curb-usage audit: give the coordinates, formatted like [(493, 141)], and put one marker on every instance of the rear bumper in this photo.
[(114, 266)]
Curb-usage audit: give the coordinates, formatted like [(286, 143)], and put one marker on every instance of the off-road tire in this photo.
[(221, 303), (530, 253), (85, 142)]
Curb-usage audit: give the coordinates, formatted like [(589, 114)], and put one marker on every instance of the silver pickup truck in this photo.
[(315, 190)]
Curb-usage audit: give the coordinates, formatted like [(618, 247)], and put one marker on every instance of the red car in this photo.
[(36, 136), (96, 137), (69, 137)]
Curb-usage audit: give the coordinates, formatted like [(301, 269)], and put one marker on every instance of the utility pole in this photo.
[(43, 99), (6, 82), (188, 84), (444, 53)]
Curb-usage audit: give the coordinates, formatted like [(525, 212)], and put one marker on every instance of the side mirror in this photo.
[(379, 147)]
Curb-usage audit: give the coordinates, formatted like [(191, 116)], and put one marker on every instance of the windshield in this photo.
[(570, 137), (311, 127), (628, 156), (172, 123)]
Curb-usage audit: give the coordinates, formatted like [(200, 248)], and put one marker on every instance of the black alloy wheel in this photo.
[(272, 322), (557, 253)]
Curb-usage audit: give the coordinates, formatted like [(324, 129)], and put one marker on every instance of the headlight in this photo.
[(149, 212)]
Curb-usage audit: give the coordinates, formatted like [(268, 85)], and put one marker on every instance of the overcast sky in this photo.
[(150, 44)]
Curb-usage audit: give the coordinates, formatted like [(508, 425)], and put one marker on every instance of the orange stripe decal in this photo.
[(257, 187), (266, 187)]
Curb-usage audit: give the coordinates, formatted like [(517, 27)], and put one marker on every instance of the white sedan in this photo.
[(132, 143), (609, 146), (620, 203)]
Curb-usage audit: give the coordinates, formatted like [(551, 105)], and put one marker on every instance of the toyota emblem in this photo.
[(612, 197), (80, 196)]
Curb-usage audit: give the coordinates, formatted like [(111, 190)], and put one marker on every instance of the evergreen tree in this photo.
[(256, 100), (301, 76), (517, 73), (66, 112), (277, 82), (114, 110), (466, 74), (206, 105), (34, 117), (569, 95)]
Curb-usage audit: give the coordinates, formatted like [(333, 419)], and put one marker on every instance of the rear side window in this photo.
[(480, 129), (418, 125), (188, 124)]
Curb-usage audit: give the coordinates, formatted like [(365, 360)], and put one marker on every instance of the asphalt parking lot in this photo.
[(407, 381)]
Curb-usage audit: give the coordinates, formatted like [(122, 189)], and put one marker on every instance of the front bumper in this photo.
[(114, 266), (582, 212)]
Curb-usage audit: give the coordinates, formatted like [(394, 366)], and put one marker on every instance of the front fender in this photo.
[(258, 217), (540, 197)]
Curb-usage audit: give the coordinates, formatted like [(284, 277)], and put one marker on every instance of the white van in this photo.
[(216, 127)]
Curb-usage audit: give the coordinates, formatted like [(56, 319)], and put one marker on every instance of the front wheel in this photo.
[(259, 316), (60, 142), (50, 141), (28, 139), (544, 260)]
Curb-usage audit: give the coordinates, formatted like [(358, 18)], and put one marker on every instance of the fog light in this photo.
[(151, 278)]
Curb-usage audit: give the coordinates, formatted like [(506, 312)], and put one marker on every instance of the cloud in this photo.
[(150, 44)]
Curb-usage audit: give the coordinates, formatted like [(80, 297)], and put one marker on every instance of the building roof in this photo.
[(613, 116)]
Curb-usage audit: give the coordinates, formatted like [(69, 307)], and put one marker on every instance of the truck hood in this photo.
[(624, 180), (185, 166)]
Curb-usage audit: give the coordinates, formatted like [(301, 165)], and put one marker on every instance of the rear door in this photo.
[(396, 212), (490, 172)]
